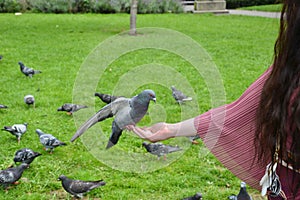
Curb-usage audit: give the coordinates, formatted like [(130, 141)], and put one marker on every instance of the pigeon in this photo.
[(3, 106), (17, 130), (160, 149), (242, 195), (1, 57), (49, 141), (29, 100), (78, 187), (106, 98), (197, 196), (179, 96), (25, 155), (28, 71), (12, 175), (70, 108), (126, 111)]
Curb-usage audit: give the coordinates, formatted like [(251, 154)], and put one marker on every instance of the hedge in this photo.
[(232, 4), (86, 6)]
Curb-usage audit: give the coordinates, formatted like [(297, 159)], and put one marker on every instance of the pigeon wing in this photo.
[(106, 112)]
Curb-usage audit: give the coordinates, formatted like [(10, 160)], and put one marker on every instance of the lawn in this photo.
[(64, 48), (267, 8)]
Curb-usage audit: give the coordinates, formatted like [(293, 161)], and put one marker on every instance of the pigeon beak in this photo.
[(154, 99), (93, 120)]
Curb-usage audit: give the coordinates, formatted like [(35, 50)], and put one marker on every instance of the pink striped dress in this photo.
[(228, 132)]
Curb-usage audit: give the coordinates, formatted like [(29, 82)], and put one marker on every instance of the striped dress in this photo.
[(229, 131)]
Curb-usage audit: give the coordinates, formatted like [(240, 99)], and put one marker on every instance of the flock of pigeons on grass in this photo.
[(126, 111)]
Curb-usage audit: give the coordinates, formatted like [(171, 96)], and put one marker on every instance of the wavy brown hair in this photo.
[(278, 115)]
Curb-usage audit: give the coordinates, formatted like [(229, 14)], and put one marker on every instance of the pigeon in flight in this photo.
[(3, 106), (78, 188), (197, 196), (29, 100), (179, 96), (160, 149), (17, 130), (242, 195), (70, 108), (28, 71), (126, 112), (12, 175), (49, 141), (25, 155), (106, 98)]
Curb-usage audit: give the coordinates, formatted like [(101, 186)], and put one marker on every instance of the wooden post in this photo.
[(133, 13)]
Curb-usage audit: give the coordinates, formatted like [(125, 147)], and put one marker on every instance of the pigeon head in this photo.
[(61, 177), (147, 95), (21, 64)]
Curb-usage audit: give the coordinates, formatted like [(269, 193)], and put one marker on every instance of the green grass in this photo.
[(267, 8), (240, 46)]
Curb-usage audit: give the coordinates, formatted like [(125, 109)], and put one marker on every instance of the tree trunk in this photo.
[(133, 13)]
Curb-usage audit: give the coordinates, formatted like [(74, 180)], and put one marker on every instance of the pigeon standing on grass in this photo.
[(106, 98), (126, 112), (28, 71), (70, 108), (197, 196), (160, 149), (179, 96), (49, 141), (243, 194), (25, 155), (3, 106), (12, 175), (78, 187), (1, 57), (29, 100), (17, 130)]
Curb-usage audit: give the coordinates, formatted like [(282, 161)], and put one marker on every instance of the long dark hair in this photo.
[(278, 116)]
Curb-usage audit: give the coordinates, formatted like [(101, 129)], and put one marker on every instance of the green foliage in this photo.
[(59, 44), (86, 6), (232, 4)]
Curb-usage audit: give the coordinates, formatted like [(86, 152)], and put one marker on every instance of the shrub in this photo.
[(232, 4)]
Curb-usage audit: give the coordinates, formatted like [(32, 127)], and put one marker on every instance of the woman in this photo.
[(262, 127)]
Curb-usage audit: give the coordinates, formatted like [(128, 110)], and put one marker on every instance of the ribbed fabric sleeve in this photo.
[(228, 132)]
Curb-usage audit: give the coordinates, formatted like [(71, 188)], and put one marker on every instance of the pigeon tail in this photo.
[(109, 144)]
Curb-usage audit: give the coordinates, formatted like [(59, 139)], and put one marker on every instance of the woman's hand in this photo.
[(154, 133)]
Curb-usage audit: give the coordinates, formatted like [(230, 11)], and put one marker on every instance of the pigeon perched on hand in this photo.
[(160, 149), (243, 194), (49, 141), (17, 130), (12, 175), (106, 98), (28, 71), (126, 112), (197, 196), (29, 100), (3, 106), (78, 187), (70, 108), (25, 155), (179, 96)]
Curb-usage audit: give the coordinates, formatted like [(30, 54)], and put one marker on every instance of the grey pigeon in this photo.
[(49, 141), (197, 196), (106, 98), (160, 149), (126, 112), (179, 96), (3, 106), (1, 57), (25, 155), (242, 195), (78, 187), (70, 108), (29, 100), (12, 175), (28, 71), (17, 130)]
